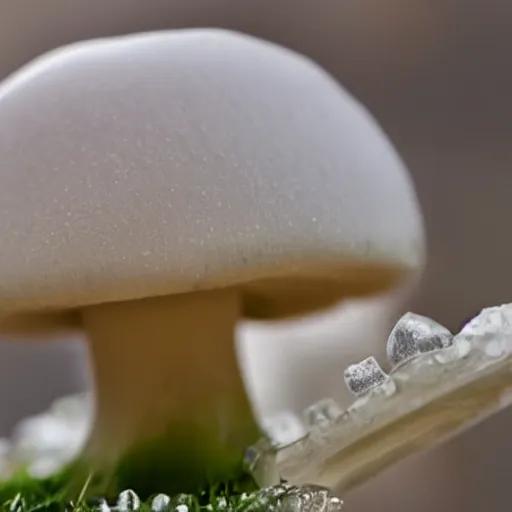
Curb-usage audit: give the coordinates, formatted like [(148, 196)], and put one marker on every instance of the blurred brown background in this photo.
[(437, 75)]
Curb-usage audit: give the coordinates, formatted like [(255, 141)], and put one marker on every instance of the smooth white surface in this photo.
[(183, 160)]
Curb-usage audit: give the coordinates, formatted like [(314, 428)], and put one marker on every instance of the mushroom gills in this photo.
[(440, 385), (170, 400), (319, 286)]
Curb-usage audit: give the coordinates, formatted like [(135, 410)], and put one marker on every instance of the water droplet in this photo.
[(293, 503), (185, 502), (335, 505), (308, 498), (128, 501), (319, 502), (415, 334), (160, 502), (222, 503), (104, 506)]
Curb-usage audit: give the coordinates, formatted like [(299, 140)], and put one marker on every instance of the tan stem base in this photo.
[(168, 361)]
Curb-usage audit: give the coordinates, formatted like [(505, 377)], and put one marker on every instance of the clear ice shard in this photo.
[(284, 429), (322, 413), (260, 461), (416, 334), (364, 376), (439, 386)]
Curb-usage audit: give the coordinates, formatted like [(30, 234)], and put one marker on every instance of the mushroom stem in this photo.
[(170, 400)]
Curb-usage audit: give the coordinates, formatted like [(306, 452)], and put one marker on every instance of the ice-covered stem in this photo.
[(439, 385), (172, 412)]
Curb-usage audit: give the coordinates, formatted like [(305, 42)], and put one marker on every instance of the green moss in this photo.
[(35, 494), (60, 492), (188, 459), (148, 471)]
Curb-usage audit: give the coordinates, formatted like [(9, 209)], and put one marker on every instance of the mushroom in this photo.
[(158, 188)]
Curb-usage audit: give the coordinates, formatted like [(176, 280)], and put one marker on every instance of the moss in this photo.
[(35, 494), (73, 490), (188, 460)]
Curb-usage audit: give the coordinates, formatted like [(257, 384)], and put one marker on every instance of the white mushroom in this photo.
[(157, 188)]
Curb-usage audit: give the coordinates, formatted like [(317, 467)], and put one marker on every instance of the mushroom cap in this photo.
[(186, 160)]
